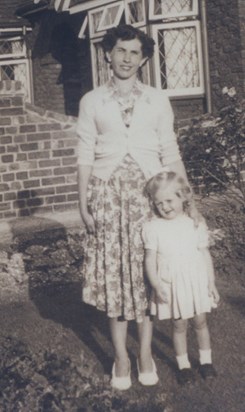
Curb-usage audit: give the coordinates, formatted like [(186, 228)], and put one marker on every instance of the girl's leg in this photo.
[(206, 368), (119, 340), (145, 330), (179, 337), (203, 338), (202, 332), (185, 374)]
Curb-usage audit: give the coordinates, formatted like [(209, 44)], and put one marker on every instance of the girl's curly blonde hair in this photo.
[(163, 180)]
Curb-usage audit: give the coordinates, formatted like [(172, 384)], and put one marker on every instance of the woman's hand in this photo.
[(88, 220)]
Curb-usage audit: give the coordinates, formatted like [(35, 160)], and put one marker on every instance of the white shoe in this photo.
[(148, 378), (121, 382)]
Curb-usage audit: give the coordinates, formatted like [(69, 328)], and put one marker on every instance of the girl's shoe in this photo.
[(121, 382), (185, 376), (148, 378), (207, 371)]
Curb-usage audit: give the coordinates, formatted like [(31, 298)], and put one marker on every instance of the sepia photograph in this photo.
[(122, 126)]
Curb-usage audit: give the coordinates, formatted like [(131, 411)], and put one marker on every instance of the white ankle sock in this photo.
[(183, 361), (205, 356)]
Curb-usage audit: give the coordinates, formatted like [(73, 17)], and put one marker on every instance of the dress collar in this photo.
[(113, 92)]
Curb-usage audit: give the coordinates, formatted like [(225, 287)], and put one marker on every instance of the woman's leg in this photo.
[(145, 330), (119, 340)]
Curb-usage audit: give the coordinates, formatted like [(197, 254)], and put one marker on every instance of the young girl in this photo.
[(180, 270)]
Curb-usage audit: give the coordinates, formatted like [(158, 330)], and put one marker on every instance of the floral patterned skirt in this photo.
[(113, 278)]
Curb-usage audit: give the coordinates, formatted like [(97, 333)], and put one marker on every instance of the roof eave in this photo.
[(30, 8)]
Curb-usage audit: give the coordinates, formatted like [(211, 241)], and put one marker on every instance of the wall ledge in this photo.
[(65, 121)]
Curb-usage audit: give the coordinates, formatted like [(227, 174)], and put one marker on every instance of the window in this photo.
[(177, 65), (162, 9), (14, 63), (101, 69), (110, 15), (178, 58), (135, 12), (104, 18)]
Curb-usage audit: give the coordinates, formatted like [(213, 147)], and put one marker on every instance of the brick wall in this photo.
[(225, 47), (241, 6), (37, 157)]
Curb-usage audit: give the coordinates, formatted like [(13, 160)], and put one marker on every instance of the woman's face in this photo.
[(126, 57)]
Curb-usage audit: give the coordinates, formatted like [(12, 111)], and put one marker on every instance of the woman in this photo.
[(126, 136)]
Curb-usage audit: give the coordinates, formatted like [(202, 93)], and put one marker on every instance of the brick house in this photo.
[(50, 55), (200, 48)]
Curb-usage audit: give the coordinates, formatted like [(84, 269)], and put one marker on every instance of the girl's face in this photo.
[(169, 203), (126, 57)]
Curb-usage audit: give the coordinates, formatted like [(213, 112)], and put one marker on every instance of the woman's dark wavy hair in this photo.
[(127, 32)]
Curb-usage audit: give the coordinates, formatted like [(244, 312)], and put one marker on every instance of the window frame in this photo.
[(81, 34), (193, 13), (19, 58), (127, 13), (17, 62), (179, 92), (13, 55), (102, 30)]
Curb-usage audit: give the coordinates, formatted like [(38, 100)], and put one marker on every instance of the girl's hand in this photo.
[(213, 292), (161, 295), (88, 220)]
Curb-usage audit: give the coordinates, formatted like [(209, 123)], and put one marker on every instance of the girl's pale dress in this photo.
[(181, 266)]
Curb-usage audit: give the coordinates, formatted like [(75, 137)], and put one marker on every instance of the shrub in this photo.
[(213, 149)]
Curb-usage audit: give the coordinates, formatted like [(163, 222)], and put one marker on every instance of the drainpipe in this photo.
[(203, 13)]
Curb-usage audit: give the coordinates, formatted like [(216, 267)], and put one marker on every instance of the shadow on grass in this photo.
[(52, 258), (62, 303), (238, 303)]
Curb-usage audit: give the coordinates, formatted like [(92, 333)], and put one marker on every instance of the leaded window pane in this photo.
[(17, 70), (101, 70), (172, 8), (95, 21), (14, 47), (135, 12), (104, 18), (178, 58)]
